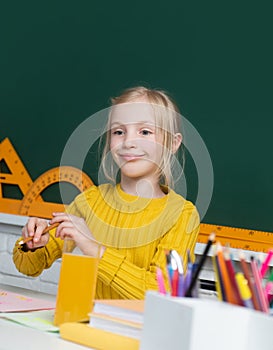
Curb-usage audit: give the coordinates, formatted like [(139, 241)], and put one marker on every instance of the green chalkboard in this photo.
[(61, 61)]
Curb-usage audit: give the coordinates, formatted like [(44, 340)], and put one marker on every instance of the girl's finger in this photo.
[(62, 226), (67, 232), (31, 226), (59, 218)]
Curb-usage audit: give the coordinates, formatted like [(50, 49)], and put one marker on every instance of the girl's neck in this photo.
[(142, 188)]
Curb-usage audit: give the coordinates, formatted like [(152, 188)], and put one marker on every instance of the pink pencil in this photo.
[(269, 291), (160, 281), (258, 283), (265, 264)]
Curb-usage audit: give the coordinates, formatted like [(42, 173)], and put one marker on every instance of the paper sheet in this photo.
[(41, 320), (12, 302)]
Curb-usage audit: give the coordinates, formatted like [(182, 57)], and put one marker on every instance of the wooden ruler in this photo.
[(258, 241)]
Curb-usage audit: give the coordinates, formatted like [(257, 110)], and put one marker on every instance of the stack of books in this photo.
[(124, 317), (113, 324)]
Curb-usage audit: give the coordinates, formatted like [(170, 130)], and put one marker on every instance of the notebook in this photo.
[(119, 316), (128, 310)]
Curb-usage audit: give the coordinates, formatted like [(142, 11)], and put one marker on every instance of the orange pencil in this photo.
[(224, 273), (48, 228)]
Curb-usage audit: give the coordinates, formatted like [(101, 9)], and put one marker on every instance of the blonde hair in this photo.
[(167, 119)]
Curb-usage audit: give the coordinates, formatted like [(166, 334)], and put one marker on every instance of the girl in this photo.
[(137, 220)]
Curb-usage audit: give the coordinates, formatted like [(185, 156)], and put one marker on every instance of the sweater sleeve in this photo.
[(32, 263), (131, 281)]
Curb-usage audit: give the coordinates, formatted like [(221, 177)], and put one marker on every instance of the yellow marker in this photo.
[(244, 290)]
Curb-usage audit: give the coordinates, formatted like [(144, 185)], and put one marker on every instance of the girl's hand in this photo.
[(76, 228), (34, 228)]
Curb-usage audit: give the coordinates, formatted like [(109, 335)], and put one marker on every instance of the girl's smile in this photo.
[(129, 157)]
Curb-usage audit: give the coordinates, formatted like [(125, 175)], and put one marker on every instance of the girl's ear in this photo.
[(176, 142)]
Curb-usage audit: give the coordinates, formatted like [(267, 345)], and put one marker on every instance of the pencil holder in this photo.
[(77, 285), (196, 323)]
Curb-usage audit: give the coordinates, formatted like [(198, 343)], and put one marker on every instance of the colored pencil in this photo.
[(269, 291), (265, 264), (175, 283), (258, 284), (217, 275), (47, 229), (236, 299), (256, 303), (194, 278), (180, 291), (224, 273), (160, 281), (178, 274)]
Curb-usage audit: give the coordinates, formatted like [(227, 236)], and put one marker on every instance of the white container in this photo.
[(194, 324)]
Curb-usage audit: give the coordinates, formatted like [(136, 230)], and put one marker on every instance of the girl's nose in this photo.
[(130, 140)]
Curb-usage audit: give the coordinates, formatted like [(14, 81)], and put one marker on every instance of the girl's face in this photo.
[(136, 142)]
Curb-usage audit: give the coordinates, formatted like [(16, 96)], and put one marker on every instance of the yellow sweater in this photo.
[(136, 232)]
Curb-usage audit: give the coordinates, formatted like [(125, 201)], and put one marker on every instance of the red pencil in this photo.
[(175, 283), (231, 273)]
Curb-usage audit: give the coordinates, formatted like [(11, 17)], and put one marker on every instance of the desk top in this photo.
[(14, 336), (18, 337)]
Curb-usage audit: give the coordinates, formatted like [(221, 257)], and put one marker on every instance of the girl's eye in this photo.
[(118, 132), (146, 132)]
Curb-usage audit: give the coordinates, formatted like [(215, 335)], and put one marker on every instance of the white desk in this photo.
[(18, 337)]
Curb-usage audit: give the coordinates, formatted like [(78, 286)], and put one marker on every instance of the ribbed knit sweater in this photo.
[(136, 232)]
